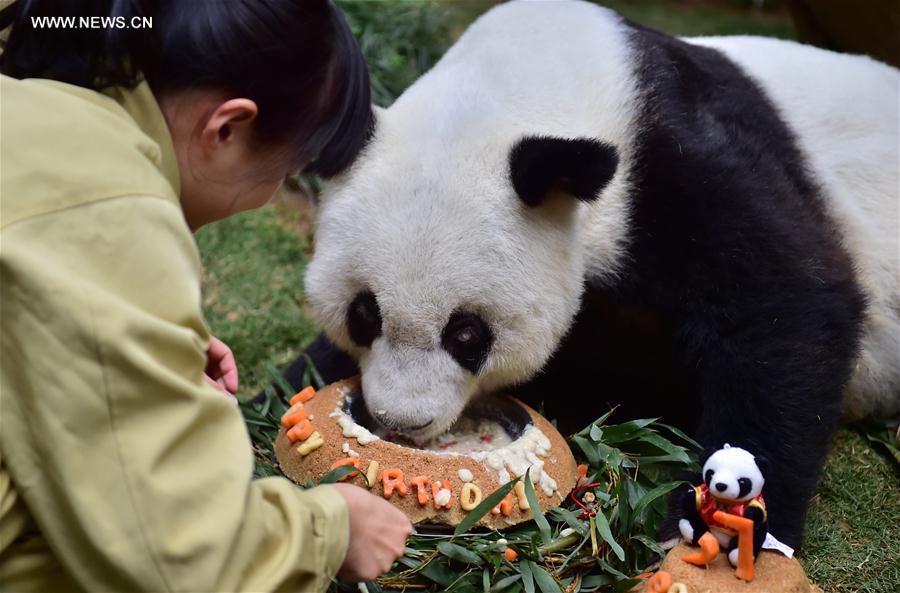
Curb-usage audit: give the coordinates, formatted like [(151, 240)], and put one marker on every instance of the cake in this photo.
[(437, 482)]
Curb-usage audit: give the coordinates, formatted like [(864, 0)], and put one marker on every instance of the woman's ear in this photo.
[(579, 167), (228, 122)]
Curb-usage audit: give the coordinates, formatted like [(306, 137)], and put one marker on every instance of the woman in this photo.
[(121, 468)]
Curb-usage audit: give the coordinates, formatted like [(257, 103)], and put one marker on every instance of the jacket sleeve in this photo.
[(138, 473)]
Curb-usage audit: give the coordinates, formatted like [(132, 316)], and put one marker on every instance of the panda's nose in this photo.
[(721, 486)]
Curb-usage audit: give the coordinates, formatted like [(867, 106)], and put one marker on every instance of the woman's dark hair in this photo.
[(297, 59)]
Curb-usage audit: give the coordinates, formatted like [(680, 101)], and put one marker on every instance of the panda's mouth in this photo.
[(491, 421)]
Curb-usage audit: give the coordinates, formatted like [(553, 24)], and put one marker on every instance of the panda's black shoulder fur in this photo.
[(738, 310)]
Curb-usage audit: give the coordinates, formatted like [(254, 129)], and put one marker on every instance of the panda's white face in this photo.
[(442, 287), (429, 267), (731, 473)]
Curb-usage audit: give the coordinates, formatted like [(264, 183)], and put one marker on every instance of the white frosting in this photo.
[(442, 498), (511, 459), (520, 455), (352, 430)]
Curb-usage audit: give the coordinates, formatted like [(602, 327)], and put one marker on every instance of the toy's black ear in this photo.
[(580, 167), (764, 465)]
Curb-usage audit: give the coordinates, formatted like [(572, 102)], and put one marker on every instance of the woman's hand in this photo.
[(221, 370), (378, 532)]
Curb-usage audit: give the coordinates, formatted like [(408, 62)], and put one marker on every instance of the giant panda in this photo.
[(586, 212)]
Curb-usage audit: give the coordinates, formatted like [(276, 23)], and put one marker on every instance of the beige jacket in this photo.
[(120, 469)]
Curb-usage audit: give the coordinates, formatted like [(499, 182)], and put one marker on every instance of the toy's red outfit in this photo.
[(707, 505)]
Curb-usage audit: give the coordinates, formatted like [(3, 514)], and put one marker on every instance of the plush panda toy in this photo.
[(732, 483), (587, 212)]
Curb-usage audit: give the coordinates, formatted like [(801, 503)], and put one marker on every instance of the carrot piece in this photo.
[(436, 487), (709, 549), (505, 506), (392, 478), (300, 431), (303, 396), (421, 483), (292, 418), (581, 470), (354, 461), (510, 554), (744, 528), (659, 582)]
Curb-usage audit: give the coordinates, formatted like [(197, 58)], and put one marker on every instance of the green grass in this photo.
[(853, 532), (254, 264), (253, 289)]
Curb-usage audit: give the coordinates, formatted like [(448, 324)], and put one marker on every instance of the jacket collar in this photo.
[(143, 107)]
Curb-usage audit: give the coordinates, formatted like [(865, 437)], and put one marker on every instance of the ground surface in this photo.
[(253, 299)]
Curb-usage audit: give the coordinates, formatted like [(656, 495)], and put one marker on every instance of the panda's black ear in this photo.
[(580, 167)]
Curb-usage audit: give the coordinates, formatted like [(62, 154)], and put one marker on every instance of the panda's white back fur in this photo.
[(479, 101)]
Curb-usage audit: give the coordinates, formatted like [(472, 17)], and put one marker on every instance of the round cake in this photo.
[(437, 482)]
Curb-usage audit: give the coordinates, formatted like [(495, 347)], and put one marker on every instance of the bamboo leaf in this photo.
[(506, 582), (652, 495), (527, 576), (339, 472), (544, 581), (603, 530), (569, 518), (457, 552), (438, 573), (279, 381), (650, 543), (317, 381), (484, 507), (681, 435), (539, 518)]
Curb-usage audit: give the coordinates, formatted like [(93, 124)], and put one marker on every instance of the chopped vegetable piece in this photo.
[(304, 395), (505, 506), (469, 496), (510, 554), (300, 431), (372, 472), (291, 418), (354, 461), (581, 470), (519, 489), (391, 479), (421, 485), (314, 442), (438, 489)]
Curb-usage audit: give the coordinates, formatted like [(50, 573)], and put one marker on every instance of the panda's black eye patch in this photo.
[(707, 477), (744, 484), (364, 319), (467, 338)]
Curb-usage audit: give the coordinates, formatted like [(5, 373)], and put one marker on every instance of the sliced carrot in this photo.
[(659, 582), (505, 506), (354, 461), (391, 479), (304, 395), (421, 485), (510, 554), (300, 431), (292, 418), (581, 470)]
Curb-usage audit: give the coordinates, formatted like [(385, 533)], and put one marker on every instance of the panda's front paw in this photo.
[(733, 557), (687, 530)]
